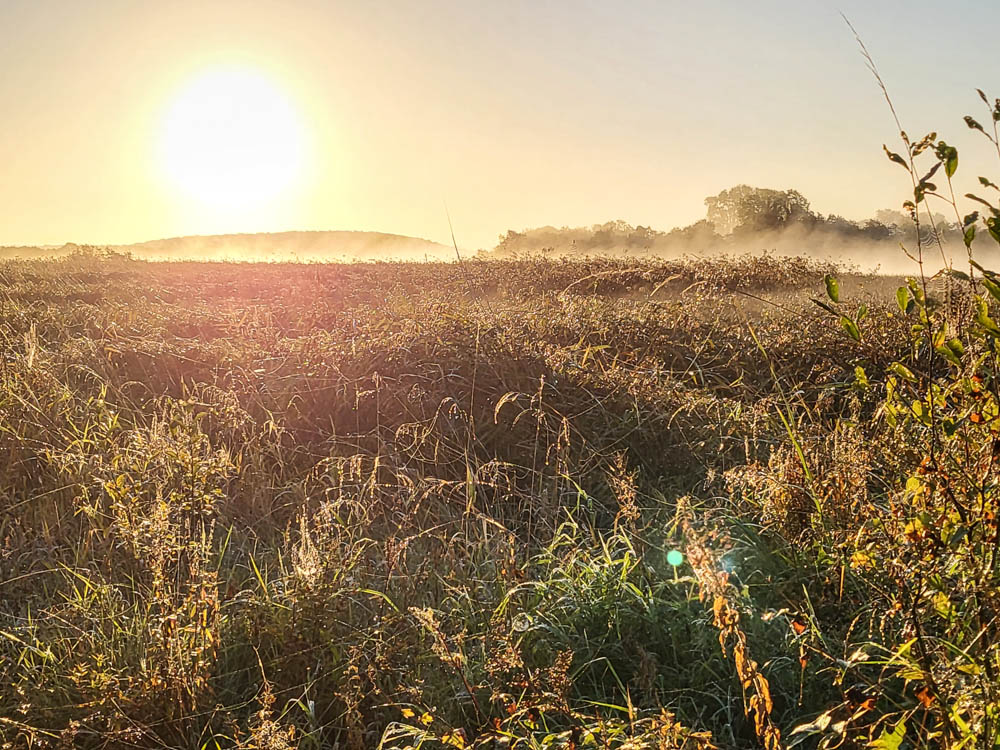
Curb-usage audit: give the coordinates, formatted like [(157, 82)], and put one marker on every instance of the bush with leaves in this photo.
[(924, 556)]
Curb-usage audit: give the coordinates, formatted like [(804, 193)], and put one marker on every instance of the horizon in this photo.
[(140, 125), (522, 374)]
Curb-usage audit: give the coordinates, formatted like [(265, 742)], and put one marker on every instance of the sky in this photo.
[(504, 115)]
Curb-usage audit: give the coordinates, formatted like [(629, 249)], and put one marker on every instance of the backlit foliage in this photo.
[(441, 505)]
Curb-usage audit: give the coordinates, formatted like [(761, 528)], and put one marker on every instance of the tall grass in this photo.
[(320, 506)]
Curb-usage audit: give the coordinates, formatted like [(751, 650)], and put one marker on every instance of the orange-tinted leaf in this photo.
[(738, 657), (772, 739), (925, 696), (765, 692)]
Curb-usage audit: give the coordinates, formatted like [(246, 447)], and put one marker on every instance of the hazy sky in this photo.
[(514, 114)]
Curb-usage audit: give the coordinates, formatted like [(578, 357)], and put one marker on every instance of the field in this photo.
[(522, 503)]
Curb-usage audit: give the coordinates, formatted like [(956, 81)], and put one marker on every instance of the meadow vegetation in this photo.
[(320, 503), (529, 503)]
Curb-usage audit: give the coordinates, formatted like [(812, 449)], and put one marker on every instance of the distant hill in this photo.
[(277, 246)]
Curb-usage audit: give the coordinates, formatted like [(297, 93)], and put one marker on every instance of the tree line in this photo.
[(734, 217)]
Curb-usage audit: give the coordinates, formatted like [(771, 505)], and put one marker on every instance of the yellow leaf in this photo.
[(942, 604), (861, 559)]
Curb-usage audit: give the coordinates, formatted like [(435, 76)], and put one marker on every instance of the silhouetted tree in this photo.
[(749, 209)]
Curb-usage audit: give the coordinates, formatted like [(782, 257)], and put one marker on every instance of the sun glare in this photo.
[(232, 139)]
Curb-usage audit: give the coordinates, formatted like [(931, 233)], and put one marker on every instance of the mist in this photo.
[(740, 220), (318, 246), (746, 219)]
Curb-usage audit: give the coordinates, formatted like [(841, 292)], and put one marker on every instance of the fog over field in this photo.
[(741, 220), (265, 246)]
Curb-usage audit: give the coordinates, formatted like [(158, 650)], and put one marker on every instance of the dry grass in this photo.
[(270, 506)]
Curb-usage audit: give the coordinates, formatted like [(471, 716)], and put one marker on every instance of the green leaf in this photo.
[(922, 189), (851, 327), (860, 377), (921, 411), (948, 156), (951, 162), (949, 355), (984, 319), (825, 306), (903, 299), (832, 288), (939, 337), (889, 740), (977, 199), (902, 371), (380, 595), (993, 227), (992, 287), (894, 157), (972, 123), (986, 271), (932, 172)]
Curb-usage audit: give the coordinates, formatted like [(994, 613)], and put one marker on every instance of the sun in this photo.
[(232, 139)]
